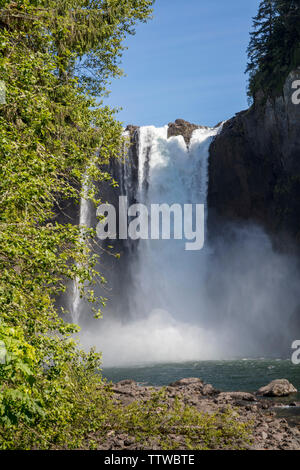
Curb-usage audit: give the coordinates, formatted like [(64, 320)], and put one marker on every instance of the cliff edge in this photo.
[(254, 165)]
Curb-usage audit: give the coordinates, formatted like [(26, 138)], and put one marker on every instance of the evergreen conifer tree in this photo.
[(260, 49), (274, 48)]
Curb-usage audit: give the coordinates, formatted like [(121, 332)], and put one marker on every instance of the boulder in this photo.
[(186, 382), (194, 387), (208, 389), (277, 388), (184, 128), (126, 382)]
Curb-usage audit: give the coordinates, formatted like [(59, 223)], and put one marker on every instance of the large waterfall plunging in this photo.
[(165, 275), (163, 321), (168, 304)]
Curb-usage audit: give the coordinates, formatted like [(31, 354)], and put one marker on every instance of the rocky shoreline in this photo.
[(268, 431)]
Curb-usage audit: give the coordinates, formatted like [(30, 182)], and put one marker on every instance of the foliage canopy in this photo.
[(56, 57), (274, 48)]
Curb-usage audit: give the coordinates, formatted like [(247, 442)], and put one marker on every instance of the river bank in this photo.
[(267, 430)]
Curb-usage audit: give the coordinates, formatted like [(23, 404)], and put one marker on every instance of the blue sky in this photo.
[(188, 62)]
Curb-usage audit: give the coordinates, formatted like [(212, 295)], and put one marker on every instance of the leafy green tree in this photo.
[(55, 58)]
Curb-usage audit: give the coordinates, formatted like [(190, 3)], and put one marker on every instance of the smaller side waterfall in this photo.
[(84, 219)]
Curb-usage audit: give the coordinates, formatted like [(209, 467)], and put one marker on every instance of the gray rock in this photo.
[(184, 128), (277, 388), (186, 382), (237, 396), (208, 389), (126, 382)]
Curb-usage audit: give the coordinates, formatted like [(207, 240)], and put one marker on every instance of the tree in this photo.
[(274, 48), (288, 30), (55, 57), (260, 49)]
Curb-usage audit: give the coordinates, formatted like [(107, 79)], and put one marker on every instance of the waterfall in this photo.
[(167, 304), (157, 317), (84, 220), (165, 276)]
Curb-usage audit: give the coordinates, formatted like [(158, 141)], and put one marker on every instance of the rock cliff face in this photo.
[(254, 169)]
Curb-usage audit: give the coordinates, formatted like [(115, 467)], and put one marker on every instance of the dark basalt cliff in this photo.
[(254, 168)]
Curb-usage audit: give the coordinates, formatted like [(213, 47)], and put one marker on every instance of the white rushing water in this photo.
[(165, 274), (173, 305), (83, 222), (166, 280)]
